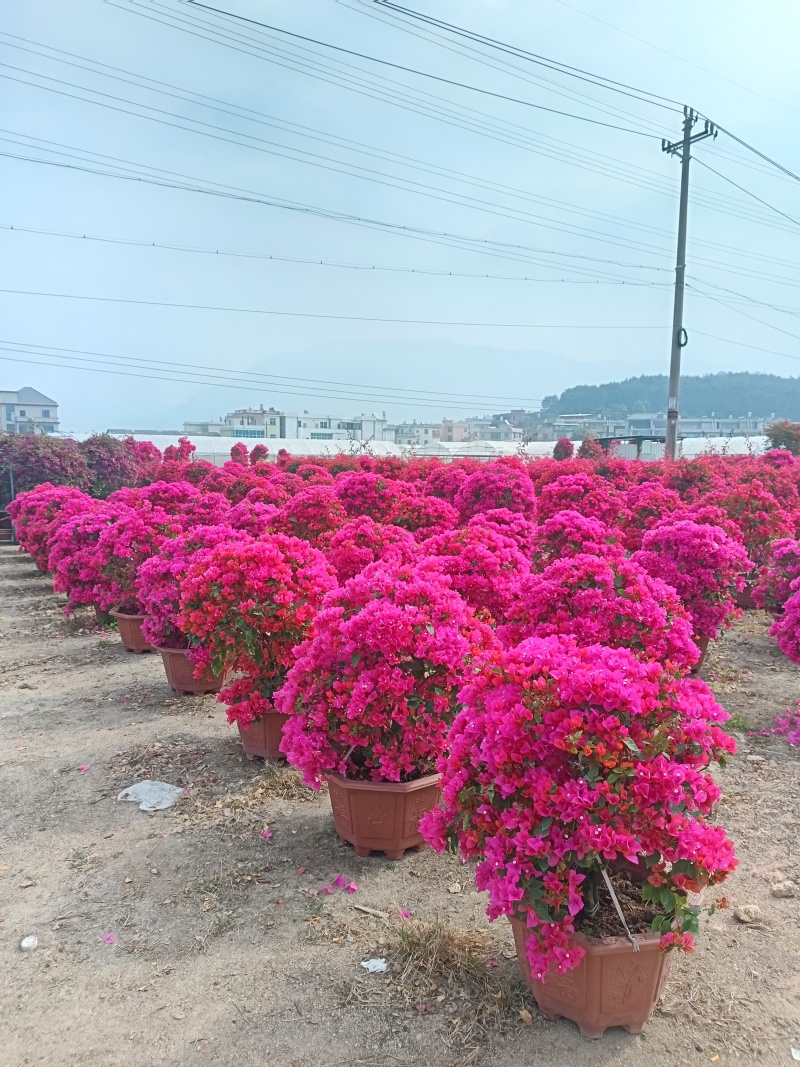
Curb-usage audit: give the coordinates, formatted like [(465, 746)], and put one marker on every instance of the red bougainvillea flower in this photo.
[(565, 759), (160, 578), (363, 541), (704, 566), (496, 486), (248, 605), (603, 600), (373, 691)]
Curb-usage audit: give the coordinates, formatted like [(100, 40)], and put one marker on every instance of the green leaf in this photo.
[(355, 659), (631, 745)]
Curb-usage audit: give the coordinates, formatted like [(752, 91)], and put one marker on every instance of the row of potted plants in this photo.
[(521, 635)]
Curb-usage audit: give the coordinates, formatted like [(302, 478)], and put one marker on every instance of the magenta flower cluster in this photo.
[(566, 758)]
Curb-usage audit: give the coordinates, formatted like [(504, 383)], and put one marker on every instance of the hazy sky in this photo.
[(575, 207)]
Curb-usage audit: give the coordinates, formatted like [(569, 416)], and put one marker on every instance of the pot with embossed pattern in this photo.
[(381, 816)]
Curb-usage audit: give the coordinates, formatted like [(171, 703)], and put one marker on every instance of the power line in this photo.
[(367, 267), (598, 80), (748, 191), (503, 250), (743, 344), (422, 73), (499, 45), (319, 315), (675, 55), (497, 129), (276, 382)]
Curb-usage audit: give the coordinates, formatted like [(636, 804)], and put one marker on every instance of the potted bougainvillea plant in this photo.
[(159, 586), (373, 694), (705, 566), (577, 778), (244, 607)]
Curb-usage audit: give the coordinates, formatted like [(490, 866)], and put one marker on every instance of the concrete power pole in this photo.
[(683, 150)]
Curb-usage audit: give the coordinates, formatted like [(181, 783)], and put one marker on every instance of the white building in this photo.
[(27, 411), (414, 434), (270, 424)]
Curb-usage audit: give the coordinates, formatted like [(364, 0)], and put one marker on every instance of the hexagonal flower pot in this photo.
[(130, 631), (702, 643), (611, 986), (179, 670), (381, 816), (261, 738)]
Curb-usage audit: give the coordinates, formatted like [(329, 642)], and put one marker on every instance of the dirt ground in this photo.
[(185, 937)]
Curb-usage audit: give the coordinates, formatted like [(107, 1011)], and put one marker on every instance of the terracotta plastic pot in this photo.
[(611, 986), (381, 816), (179, 670), (745, 598), (263, 737), (130, 630), (702, 643)]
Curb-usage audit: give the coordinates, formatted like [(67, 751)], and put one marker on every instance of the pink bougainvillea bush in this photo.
[(365, 493), (160, 578), (786, 629), (604, 600), (563, 449), (129, 537), (363, 541), (510, 524), (485, 567), (759, 515), (592, 496), (248, 605), (315, 513), (424, 516), (774, 585), (704, 566), (496, 486), (568, 533), (373, 692), (566, 759), (74, 561), (39, 513), (646, 504)]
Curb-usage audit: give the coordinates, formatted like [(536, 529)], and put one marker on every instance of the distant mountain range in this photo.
[(725, 394)]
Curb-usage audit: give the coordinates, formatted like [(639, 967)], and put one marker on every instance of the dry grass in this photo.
[(460, 975), (726, 1013)]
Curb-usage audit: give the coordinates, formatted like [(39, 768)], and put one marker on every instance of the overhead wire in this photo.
[(575, 71), (364, 267), (599, 164), (506, 250), (324, 315), (279, 382)]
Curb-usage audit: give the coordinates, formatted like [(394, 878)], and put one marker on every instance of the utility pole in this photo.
[(683, 150)]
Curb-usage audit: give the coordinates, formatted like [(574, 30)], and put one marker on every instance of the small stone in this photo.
[(747, 913), (699, 1047), (784, 889), (28, 944), (456, 887)]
